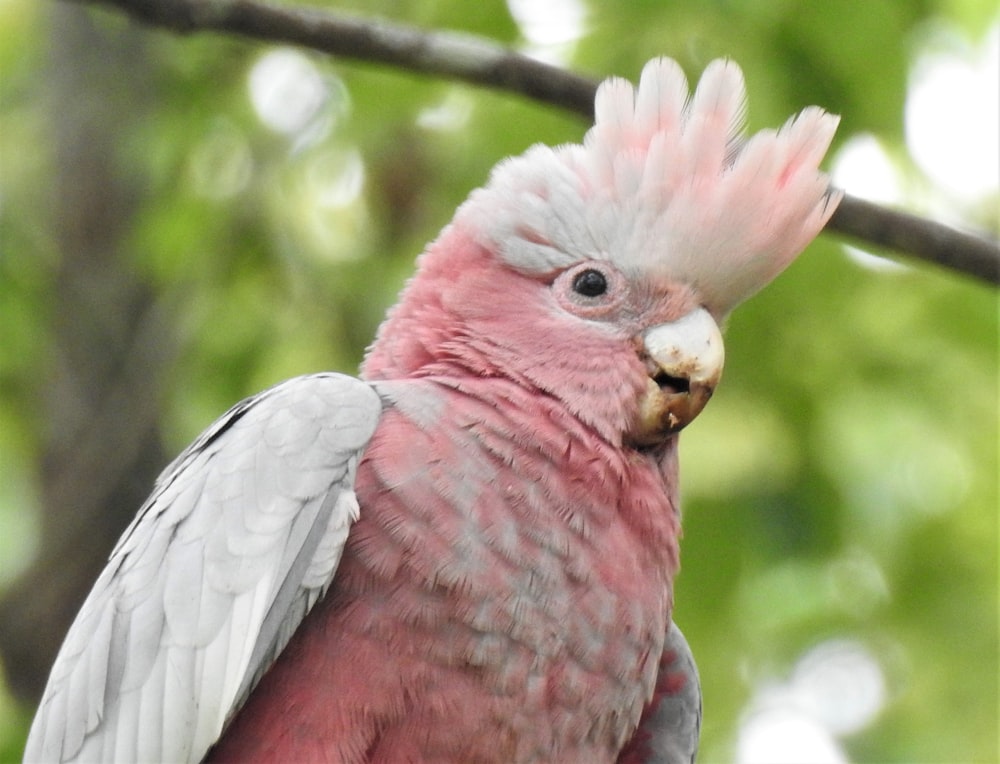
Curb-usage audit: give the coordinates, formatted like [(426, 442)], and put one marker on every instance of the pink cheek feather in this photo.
[(521, 331)]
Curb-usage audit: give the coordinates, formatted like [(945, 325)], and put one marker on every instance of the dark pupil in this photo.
[(590, 283)]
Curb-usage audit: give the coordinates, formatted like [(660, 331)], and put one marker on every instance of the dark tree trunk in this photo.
[(101, 450)]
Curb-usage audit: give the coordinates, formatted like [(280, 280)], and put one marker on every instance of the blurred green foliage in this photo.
[(843, 483)]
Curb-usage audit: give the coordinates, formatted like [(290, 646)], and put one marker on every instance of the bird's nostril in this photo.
[(670, 383)]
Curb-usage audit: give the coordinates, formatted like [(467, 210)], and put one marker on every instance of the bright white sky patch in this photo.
[(953, 117), (551, 27), (840, 684), (837, 688), (783, 735), (286, 90), (952, 126), (449, 114), (863, 167), (293, 97)]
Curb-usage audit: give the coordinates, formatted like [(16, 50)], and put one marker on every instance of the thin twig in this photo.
[(917, 237), (482, 62)]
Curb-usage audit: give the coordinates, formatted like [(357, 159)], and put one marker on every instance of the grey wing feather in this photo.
[(240, 538), (672, 723)]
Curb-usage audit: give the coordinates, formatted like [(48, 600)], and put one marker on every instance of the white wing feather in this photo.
[(241, 537)]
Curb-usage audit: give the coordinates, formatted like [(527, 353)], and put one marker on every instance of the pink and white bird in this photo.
[(467, 554)]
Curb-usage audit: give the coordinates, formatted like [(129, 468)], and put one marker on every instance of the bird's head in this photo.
[(599, 273)]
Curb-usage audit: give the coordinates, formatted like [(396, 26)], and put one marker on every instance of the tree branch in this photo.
[(482, 62)]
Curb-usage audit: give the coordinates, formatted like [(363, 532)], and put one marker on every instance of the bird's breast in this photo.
[(500, 597)]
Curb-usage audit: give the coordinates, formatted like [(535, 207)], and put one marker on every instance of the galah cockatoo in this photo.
[(467, 553)]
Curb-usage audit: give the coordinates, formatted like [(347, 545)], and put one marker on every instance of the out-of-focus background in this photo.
[(186, 220)]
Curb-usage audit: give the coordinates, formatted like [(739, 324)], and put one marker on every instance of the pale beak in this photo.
[(684, 360)]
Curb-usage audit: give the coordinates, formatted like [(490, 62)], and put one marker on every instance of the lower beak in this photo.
[(684, 360)]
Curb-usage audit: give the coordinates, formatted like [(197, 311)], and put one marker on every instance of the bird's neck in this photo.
[(515, 427)]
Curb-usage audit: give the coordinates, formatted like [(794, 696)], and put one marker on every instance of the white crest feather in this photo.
[(665, 184)]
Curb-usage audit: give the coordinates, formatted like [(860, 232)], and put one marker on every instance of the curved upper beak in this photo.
[(684, 360)]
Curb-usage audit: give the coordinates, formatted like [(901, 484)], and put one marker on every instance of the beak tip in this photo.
[(688, 350)]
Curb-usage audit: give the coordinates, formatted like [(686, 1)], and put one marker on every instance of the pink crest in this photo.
[(666, 185)]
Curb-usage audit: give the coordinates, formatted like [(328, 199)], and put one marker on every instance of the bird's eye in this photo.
[(590, 283), (591, 289)]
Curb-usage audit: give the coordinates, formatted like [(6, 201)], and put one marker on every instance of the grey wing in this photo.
[(240, 538), (670, 726)]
